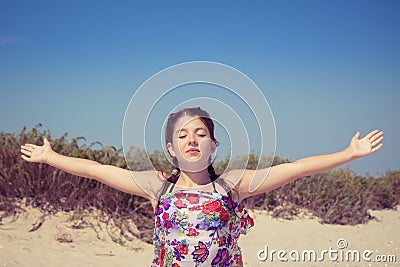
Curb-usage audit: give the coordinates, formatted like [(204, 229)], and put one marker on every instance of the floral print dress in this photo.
[(198, 228)]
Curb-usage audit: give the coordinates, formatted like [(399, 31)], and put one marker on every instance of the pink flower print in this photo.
[(180, 195), (193, 198), (198, 207), (167, 224), (240, 208), (211, 207), (180, 250), (193, 232), (222, 241), (179, 204), (239, 259), (224, 216), (165, 215), (250, 221)]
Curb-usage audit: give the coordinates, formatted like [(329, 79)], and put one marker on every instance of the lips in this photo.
[(192, 150)]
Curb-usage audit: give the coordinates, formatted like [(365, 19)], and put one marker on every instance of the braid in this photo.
[(173, 178), (211, 173)]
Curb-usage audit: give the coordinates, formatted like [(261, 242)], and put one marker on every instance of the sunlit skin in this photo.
[(192, 147)]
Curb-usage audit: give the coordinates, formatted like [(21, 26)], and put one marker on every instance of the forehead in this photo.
[(188, 122)]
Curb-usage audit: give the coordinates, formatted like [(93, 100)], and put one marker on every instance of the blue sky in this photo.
[(327, 68)]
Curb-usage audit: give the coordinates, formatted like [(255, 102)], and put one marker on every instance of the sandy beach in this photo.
[(272, 242)]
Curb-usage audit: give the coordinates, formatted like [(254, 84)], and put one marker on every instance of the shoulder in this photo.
[(232, 181), (149, 181), (246, 182)]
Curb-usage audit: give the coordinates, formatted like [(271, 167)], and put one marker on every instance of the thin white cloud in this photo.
[(10, 40)]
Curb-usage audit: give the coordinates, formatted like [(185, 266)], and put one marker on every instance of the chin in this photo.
[(193, 165)]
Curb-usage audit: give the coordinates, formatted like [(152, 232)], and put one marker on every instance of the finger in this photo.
[(26, 158), (27, 148), (376, 148), (26, 152), (376, 136), (31, 145), (372, 133), (377, 141), (357, 135)]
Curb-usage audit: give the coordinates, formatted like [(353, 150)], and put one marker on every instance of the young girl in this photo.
[(198, 218)]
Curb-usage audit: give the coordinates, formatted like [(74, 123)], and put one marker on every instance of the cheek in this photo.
[(179, 146), (206, 145)]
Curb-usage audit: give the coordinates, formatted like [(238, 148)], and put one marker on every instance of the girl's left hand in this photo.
[(367, 145)]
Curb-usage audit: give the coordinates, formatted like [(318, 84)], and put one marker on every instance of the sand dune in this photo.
[(56, 244)]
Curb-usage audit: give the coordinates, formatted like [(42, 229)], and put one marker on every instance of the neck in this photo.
[(193, 179)]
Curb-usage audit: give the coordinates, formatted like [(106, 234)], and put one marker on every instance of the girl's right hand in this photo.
[(34, 153)]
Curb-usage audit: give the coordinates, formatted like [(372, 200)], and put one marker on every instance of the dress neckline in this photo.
[(193, 188), (192, 191), (216, 194)]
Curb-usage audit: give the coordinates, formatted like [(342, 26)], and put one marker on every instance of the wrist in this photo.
[(49, 156), (350, 155)]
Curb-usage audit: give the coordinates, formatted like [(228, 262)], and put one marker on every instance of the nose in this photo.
[(193, 140)]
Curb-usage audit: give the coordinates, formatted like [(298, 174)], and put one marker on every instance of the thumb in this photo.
[(357, 135), (46, 142)]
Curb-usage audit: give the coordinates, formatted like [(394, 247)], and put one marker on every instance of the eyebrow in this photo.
[(197, 129)]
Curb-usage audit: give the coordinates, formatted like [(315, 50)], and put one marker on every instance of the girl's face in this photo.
[(192, 145)]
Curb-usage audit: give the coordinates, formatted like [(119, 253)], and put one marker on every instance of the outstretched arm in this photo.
[(276, 176), (118, 178)]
